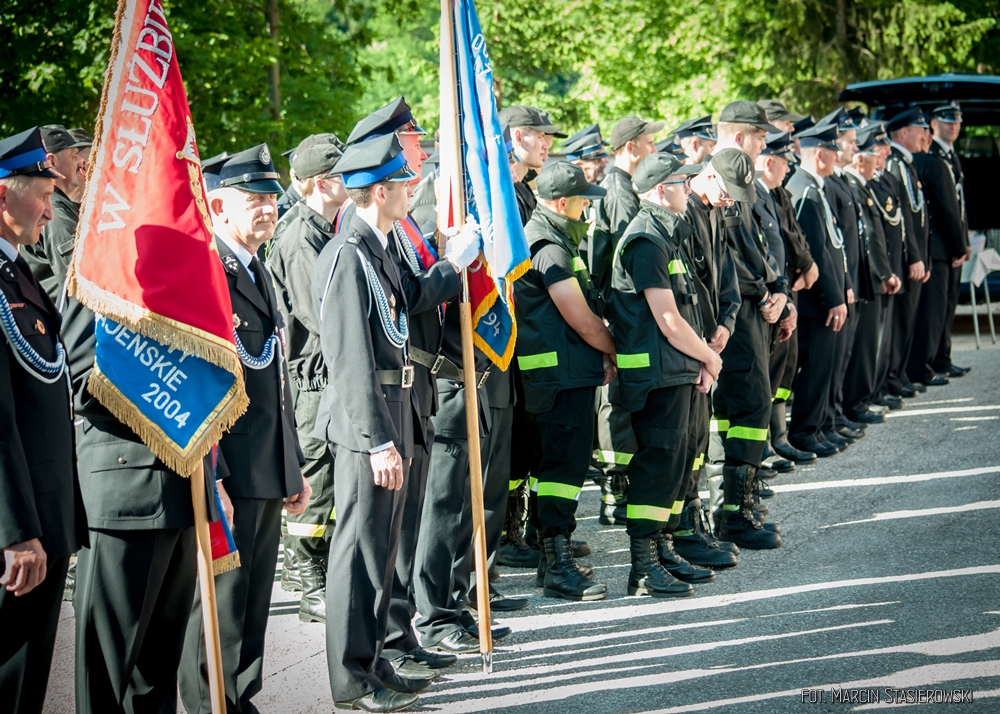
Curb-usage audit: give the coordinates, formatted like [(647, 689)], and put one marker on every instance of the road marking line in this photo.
[(978, 418), (966, 428), (882, 480), (943, 410), (628, 609), (946, 401), (894, 515)]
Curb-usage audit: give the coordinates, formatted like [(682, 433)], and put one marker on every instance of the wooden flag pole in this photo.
[(206, 581), (454, 205)]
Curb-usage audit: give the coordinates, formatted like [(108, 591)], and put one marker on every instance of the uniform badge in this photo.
[(748, 178), (392, 300), (39, 326), (888, 203), (7, 270), (236, 320), (871, 202), (231, 265), (265, 155), (392, 314)]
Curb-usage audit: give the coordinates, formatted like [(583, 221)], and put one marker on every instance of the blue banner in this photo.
[(175, 393)]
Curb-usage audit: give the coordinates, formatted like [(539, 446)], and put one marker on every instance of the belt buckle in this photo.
[(482, 380), (436, 367), (407, 376)]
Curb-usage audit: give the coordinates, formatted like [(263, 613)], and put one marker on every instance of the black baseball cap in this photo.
[(746, 112), (561, 179), (657, 168), (737, 173), (24, 154), (250, 171), (775, 110), (82, 136), (632, 127), (56, 138), (521, 115), (315, 160)]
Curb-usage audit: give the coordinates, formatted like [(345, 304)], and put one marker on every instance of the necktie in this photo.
[(259, 278)]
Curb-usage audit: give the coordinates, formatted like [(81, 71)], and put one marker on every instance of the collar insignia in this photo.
[(231, 264)]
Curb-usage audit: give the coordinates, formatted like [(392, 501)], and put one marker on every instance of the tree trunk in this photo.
[(843, 45), (274, 73)]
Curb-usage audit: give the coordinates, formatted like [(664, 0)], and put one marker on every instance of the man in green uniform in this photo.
[(309, 228), (662, 359), (42, 522), (565, 351)]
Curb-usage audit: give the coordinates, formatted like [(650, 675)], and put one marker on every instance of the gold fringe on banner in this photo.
[(231, 408), (226, 562)]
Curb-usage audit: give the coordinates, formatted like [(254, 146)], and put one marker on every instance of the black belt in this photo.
[(396, 377), (442, 367)]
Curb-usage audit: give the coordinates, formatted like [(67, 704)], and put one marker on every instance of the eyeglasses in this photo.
[(674, 183)]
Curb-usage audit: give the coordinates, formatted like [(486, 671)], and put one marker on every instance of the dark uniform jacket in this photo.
[(646, 359), (612, 215), (291, 263), (357, 412), (261, 450), (944, 213), (916, 227), (50, 257), (39, 491), (551, 355), (796, 248), (748, 245), (526, 201), (423, 205), (715, 268), (290, 198), (770, 225), (845, 210), (887, 192), (829, 290), (950, 156), (875, 265)]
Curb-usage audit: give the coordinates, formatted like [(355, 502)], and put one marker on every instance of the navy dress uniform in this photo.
[(817, 341), (261, 456), (916, 231), (39, 491), (368, 404), (950, 113)]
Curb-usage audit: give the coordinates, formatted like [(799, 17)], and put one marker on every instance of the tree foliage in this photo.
[(582, 60)]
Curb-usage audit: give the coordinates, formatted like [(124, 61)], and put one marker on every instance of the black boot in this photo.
[(648, 576), (678, 566), (736, 522), (563, 578), (312, 608), (692, 544), (703, 525), (614, 500), (585, 570), (290, 579), (513, 551), (779, 436)]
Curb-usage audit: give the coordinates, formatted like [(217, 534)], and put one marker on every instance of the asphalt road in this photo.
[(888, 580)]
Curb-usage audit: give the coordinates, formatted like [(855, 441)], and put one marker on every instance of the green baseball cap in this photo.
[(657, 168), (561, 179), (737, 173)]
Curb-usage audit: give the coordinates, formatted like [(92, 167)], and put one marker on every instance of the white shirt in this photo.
[(904, 151), (8, 249), (241, 253), (853, 172), (383, 241)]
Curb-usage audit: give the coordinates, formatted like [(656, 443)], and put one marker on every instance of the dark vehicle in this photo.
[(978, 145)]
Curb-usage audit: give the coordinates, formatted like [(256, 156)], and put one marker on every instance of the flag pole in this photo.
[(206, 581), (451, 153)]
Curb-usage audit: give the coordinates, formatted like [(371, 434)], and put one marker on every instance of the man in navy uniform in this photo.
[(42, 522), (369, 411)]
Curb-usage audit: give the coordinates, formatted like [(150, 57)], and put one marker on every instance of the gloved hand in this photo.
[(462, 247)]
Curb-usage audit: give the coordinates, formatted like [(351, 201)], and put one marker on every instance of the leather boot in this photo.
[(515, 553), (290, 580), (312, 608), (648, 576), (563, 578), (779, 436), (614, 500), (678, 566), (703, 524), (585, 570), (736, 522), (691, 543)]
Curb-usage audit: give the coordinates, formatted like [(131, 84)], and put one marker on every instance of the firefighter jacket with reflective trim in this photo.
[(646, 359), (551, 355)]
